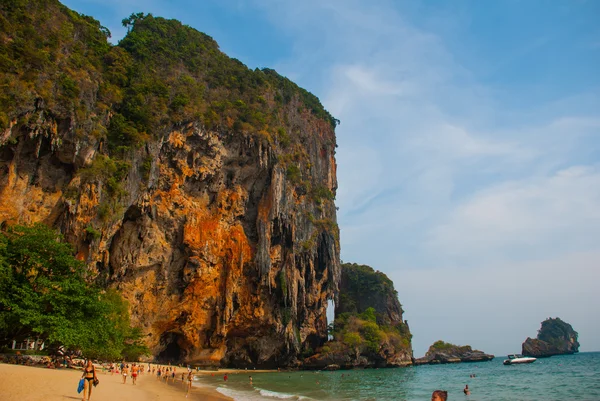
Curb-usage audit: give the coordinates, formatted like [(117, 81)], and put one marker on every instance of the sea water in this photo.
[(559, 378)]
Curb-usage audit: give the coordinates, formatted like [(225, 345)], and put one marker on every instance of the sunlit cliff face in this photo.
[(223, 259)]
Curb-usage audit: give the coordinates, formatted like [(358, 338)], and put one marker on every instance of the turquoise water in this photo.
[(560, 378)]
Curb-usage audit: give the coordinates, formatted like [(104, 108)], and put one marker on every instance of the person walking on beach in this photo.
[(189, 386), (439, 395), (134, 373), (89, 374), (125, 371)]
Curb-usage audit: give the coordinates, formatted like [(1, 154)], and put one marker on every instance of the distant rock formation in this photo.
[(441, 352), (555, 337)]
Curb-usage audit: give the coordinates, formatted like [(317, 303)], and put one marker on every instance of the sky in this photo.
[(469, 146)]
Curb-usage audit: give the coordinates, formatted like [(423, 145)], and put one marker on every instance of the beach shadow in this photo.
[(72, 398)]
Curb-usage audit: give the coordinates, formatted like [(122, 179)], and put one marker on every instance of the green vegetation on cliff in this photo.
[(44, 294), (57, 69), (368, 316), (440, 346), (363, 287), (556, 331), (362, 334), (161, 74)]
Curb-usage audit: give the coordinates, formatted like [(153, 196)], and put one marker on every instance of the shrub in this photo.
[(293, 173), (92, 233)]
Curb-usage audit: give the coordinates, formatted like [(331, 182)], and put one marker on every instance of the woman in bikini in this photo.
[(125, 371), (89, 374), (190, 379)]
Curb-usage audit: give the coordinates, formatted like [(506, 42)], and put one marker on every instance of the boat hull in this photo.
[(518, 361)]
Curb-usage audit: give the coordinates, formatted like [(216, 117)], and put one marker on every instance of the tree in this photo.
[(354, 341), (44, 294)]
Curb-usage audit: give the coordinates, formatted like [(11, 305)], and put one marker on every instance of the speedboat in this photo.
[(516, 358)]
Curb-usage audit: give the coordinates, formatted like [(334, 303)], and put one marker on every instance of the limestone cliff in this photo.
[(362, 287), (200, 189), (555, 337), (368, 329)]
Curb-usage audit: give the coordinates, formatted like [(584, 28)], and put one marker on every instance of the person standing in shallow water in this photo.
[(189, 386), (466, 390), (439, 395)]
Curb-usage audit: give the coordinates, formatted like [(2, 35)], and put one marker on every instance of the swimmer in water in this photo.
[(466, 390), (439, 395)]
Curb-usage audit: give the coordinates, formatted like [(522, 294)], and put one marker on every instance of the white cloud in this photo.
[(514, 220), (480, 212)]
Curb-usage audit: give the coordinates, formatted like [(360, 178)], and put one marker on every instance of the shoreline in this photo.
[(36, 383)]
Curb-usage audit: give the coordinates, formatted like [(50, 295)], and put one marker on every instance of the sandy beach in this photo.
[(25, 383)]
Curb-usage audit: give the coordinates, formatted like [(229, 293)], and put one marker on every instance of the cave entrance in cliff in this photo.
[(172, 352), (330, 313)]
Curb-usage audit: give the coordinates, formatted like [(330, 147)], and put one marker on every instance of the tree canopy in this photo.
[(44, 294)]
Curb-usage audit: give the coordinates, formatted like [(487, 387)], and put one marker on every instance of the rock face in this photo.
[(384, 341), (222, 236), (362, 287), (441, 352), (555, 337)]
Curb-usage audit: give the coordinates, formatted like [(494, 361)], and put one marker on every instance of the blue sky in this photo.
[(469, 146)]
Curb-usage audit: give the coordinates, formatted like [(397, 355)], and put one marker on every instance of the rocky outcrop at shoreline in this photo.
[(368, 331), (441, 352), (555, 337)]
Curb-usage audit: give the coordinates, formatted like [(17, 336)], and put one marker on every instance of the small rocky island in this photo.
[(441, 352), (555, 337), (368, 331)]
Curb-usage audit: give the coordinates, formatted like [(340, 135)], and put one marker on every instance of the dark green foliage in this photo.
[(286, 316), (283, 137), (108, 171), (92, 233), (123, 135), (161, 74), (321, 193), (553, 329), (282, 281), (146, 167), (369, 315), (363, 286), (293, 174), (43, 293), (287, 89), (362, 323), (441, 345), (49, 53)]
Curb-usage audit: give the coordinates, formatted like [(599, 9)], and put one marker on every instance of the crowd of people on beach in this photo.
[(134, 370)]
